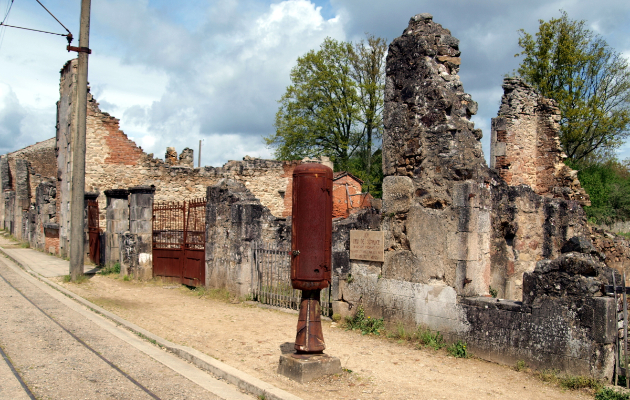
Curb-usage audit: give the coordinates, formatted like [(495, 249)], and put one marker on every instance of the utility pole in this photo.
[(199, 155), (77, 222)]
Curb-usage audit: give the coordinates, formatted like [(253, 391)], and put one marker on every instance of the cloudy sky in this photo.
[(176, 72)]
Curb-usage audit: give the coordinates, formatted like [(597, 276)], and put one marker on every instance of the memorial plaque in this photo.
[(367, 245)]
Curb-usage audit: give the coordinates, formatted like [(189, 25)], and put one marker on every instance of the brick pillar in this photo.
[(86, 235), (117, 222), (141, 225)]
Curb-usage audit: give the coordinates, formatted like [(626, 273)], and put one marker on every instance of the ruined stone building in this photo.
[(455, 230)]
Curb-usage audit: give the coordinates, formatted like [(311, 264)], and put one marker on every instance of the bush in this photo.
[(367, 325)]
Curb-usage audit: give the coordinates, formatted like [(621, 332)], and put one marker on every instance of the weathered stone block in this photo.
[(397, 194), (463, 246), (306, 367)]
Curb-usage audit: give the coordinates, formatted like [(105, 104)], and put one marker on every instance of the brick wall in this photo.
[(113, 161), (525, 147)]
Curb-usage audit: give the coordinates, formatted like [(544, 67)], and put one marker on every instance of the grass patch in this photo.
[(221, 294), (458, 349), (367, 325), (112, 269), (126, 278), (607, 393), (520, 366), (25, 245), (81, 279), (570, 382), (422, 337), (434, 340)]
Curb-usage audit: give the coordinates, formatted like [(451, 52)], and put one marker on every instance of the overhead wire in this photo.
[(6, 16), (4, 25)]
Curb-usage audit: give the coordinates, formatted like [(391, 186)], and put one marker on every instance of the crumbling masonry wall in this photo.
[(115, 162), (525, 146), (235, 220), (454, 229)]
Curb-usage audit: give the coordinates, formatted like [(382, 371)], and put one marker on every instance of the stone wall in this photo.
[(454, 228), (525, 145), (22, 171), (235, 220)]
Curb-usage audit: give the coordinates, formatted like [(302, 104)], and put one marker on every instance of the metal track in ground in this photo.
[(77, 339)]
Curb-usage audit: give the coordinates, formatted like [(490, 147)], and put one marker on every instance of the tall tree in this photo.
[(590, 82), (333, 106), (368, 61)]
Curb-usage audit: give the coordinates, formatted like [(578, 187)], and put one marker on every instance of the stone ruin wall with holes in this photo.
[(28, 202), (455, 230)]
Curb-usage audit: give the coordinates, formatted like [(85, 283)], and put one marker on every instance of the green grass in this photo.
[(367, 325), (112, 269), (458, 349), (570, 382), (25, 245), (607, 393), (520, 366), (80, 279), (431, 339), (221, 294), (126, 278)]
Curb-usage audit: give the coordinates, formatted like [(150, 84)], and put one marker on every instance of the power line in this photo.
[(51, 15), (35, 30), (10, 5), (6, 16)]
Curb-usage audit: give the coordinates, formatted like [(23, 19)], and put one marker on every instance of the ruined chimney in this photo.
[(171, 156), (186, 157), (525, 144)]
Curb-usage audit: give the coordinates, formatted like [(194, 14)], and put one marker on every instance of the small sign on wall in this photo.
[(367, 245)]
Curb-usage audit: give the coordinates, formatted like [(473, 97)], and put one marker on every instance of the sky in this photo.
[(177, 72)]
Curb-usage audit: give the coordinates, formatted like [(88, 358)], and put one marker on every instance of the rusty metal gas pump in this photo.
[(311, 268)]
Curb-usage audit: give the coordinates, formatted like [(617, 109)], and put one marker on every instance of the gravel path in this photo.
[(61, 354), (251, 339)]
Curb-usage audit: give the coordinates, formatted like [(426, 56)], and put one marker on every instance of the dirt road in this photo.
[(250, 338)]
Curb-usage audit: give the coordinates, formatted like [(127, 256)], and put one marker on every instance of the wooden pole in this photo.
[(77, 207)]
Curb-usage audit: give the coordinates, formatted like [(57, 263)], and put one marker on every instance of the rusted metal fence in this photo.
[(271, 278)]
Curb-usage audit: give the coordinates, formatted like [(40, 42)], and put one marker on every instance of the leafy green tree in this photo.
[(590, 82), (608, 186), (333, 108)]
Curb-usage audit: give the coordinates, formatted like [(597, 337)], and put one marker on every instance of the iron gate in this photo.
[(179, 241), (94, 233), (271, 280)]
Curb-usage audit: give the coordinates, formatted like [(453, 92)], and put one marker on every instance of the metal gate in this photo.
[(179, 241), (94, 233), (271, 280)]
